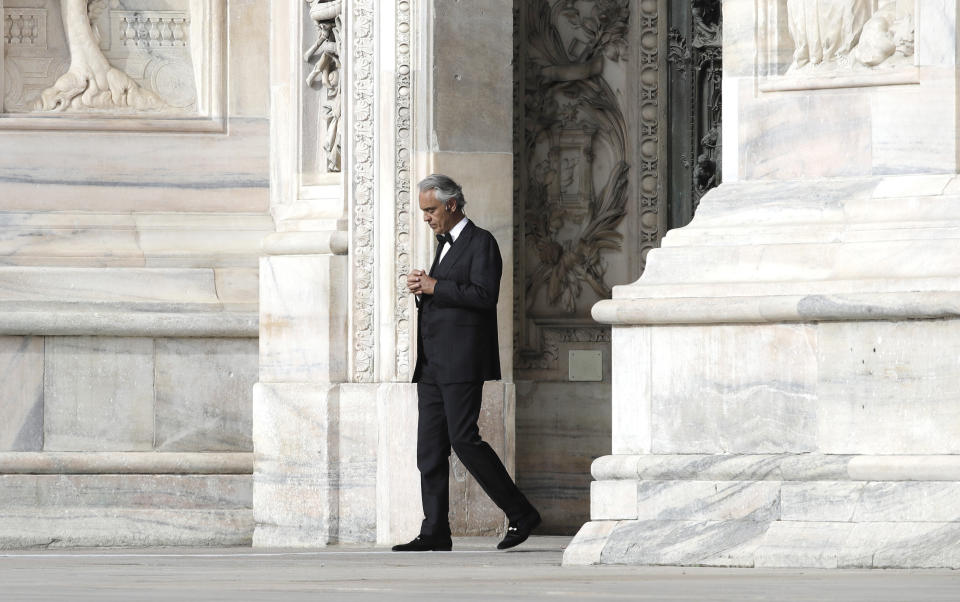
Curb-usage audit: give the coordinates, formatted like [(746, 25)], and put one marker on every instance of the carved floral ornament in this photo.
[(850, 35), (572, 114)]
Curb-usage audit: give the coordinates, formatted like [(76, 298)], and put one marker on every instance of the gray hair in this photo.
[(445, 188)]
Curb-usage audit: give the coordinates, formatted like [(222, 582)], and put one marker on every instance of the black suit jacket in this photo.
[(457, 324)]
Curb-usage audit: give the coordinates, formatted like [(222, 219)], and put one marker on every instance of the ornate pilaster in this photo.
[(361, 190)]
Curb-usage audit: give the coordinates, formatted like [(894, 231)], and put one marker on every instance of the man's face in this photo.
[(441, 218)]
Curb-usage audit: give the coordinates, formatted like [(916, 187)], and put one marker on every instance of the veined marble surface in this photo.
[(21, 392), (124, 510), (219, 419), (303, 319), (117, 171), (337, 463), (138, 239), (124, 527)]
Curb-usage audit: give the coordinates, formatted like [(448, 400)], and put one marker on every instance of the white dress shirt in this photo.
[(454, 233)]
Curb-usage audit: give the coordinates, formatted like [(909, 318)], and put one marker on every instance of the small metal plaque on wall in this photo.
[(586, 365)]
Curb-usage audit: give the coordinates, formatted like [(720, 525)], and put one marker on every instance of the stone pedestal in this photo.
[(784, 372)]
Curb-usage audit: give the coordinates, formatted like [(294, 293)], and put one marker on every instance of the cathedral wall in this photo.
[(133, 200)]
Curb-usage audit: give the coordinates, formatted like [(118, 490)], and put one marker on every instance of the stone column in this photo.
[(334, 412), (784, 373)]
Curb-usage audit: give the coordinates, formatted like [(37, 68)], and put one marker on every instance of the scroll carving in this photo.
[(845, 35), (325, 54)]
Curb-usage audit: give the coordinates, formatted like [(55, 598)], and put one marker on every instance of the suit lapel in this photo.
[(457, 250)]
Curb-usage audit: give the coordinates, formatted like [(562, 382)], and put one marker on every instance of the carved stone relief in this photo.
[(849, 35), (116, 57), (402, 186), (649, 185), (572, 168), (573, 162), (573, 114), (324, 54), (552, 336), (694, 74), (362, 250)]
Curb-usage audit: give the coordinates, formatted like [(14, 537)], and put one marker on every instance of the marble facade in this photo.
[(202, 236), (334, 428), (205, 338), (132, 210), (783, 370)]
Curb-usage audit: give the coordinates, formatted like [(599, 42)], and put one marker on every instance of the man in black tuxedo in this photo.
[(457, 351)]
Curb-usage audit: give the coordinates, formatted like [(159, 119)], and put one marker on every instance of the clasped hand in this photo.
[(418, 282)]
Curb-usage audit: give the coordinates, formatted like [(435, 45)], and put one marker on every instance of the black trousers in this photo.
[(448, 416)]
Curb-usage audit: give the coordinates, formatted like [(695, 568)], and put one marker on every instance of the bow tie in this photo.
[(442, 238)]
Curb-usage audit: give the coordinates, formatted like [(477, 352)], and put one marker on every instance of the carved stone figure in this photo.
[(825, 30), (889, 32), (326, 72), (849, 34), (707, 170), (91, 82)]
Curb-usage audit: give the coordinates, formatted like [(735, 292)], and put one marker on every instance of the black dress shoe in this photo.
[(518, 532), (426, 543)]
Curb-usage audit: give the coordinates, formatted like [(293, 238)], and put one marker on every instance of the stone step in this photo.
[(830, 501), (124, 527), (161, 492), (129, 301), (141, 289), (769, 544)]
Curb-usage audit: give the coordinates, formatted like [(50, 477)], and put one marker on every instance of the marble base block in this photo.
[(337, 464), (785, 385), (772, 511), (78, 510)]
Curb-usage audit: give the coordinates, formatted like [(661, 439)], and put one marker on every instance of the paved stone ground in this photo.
[(474, 571)]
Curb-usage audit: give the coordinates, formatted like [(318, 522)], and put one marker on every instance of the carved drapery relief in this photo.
[(325, 54), (362, 161), (114, 57), (845, 35)]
